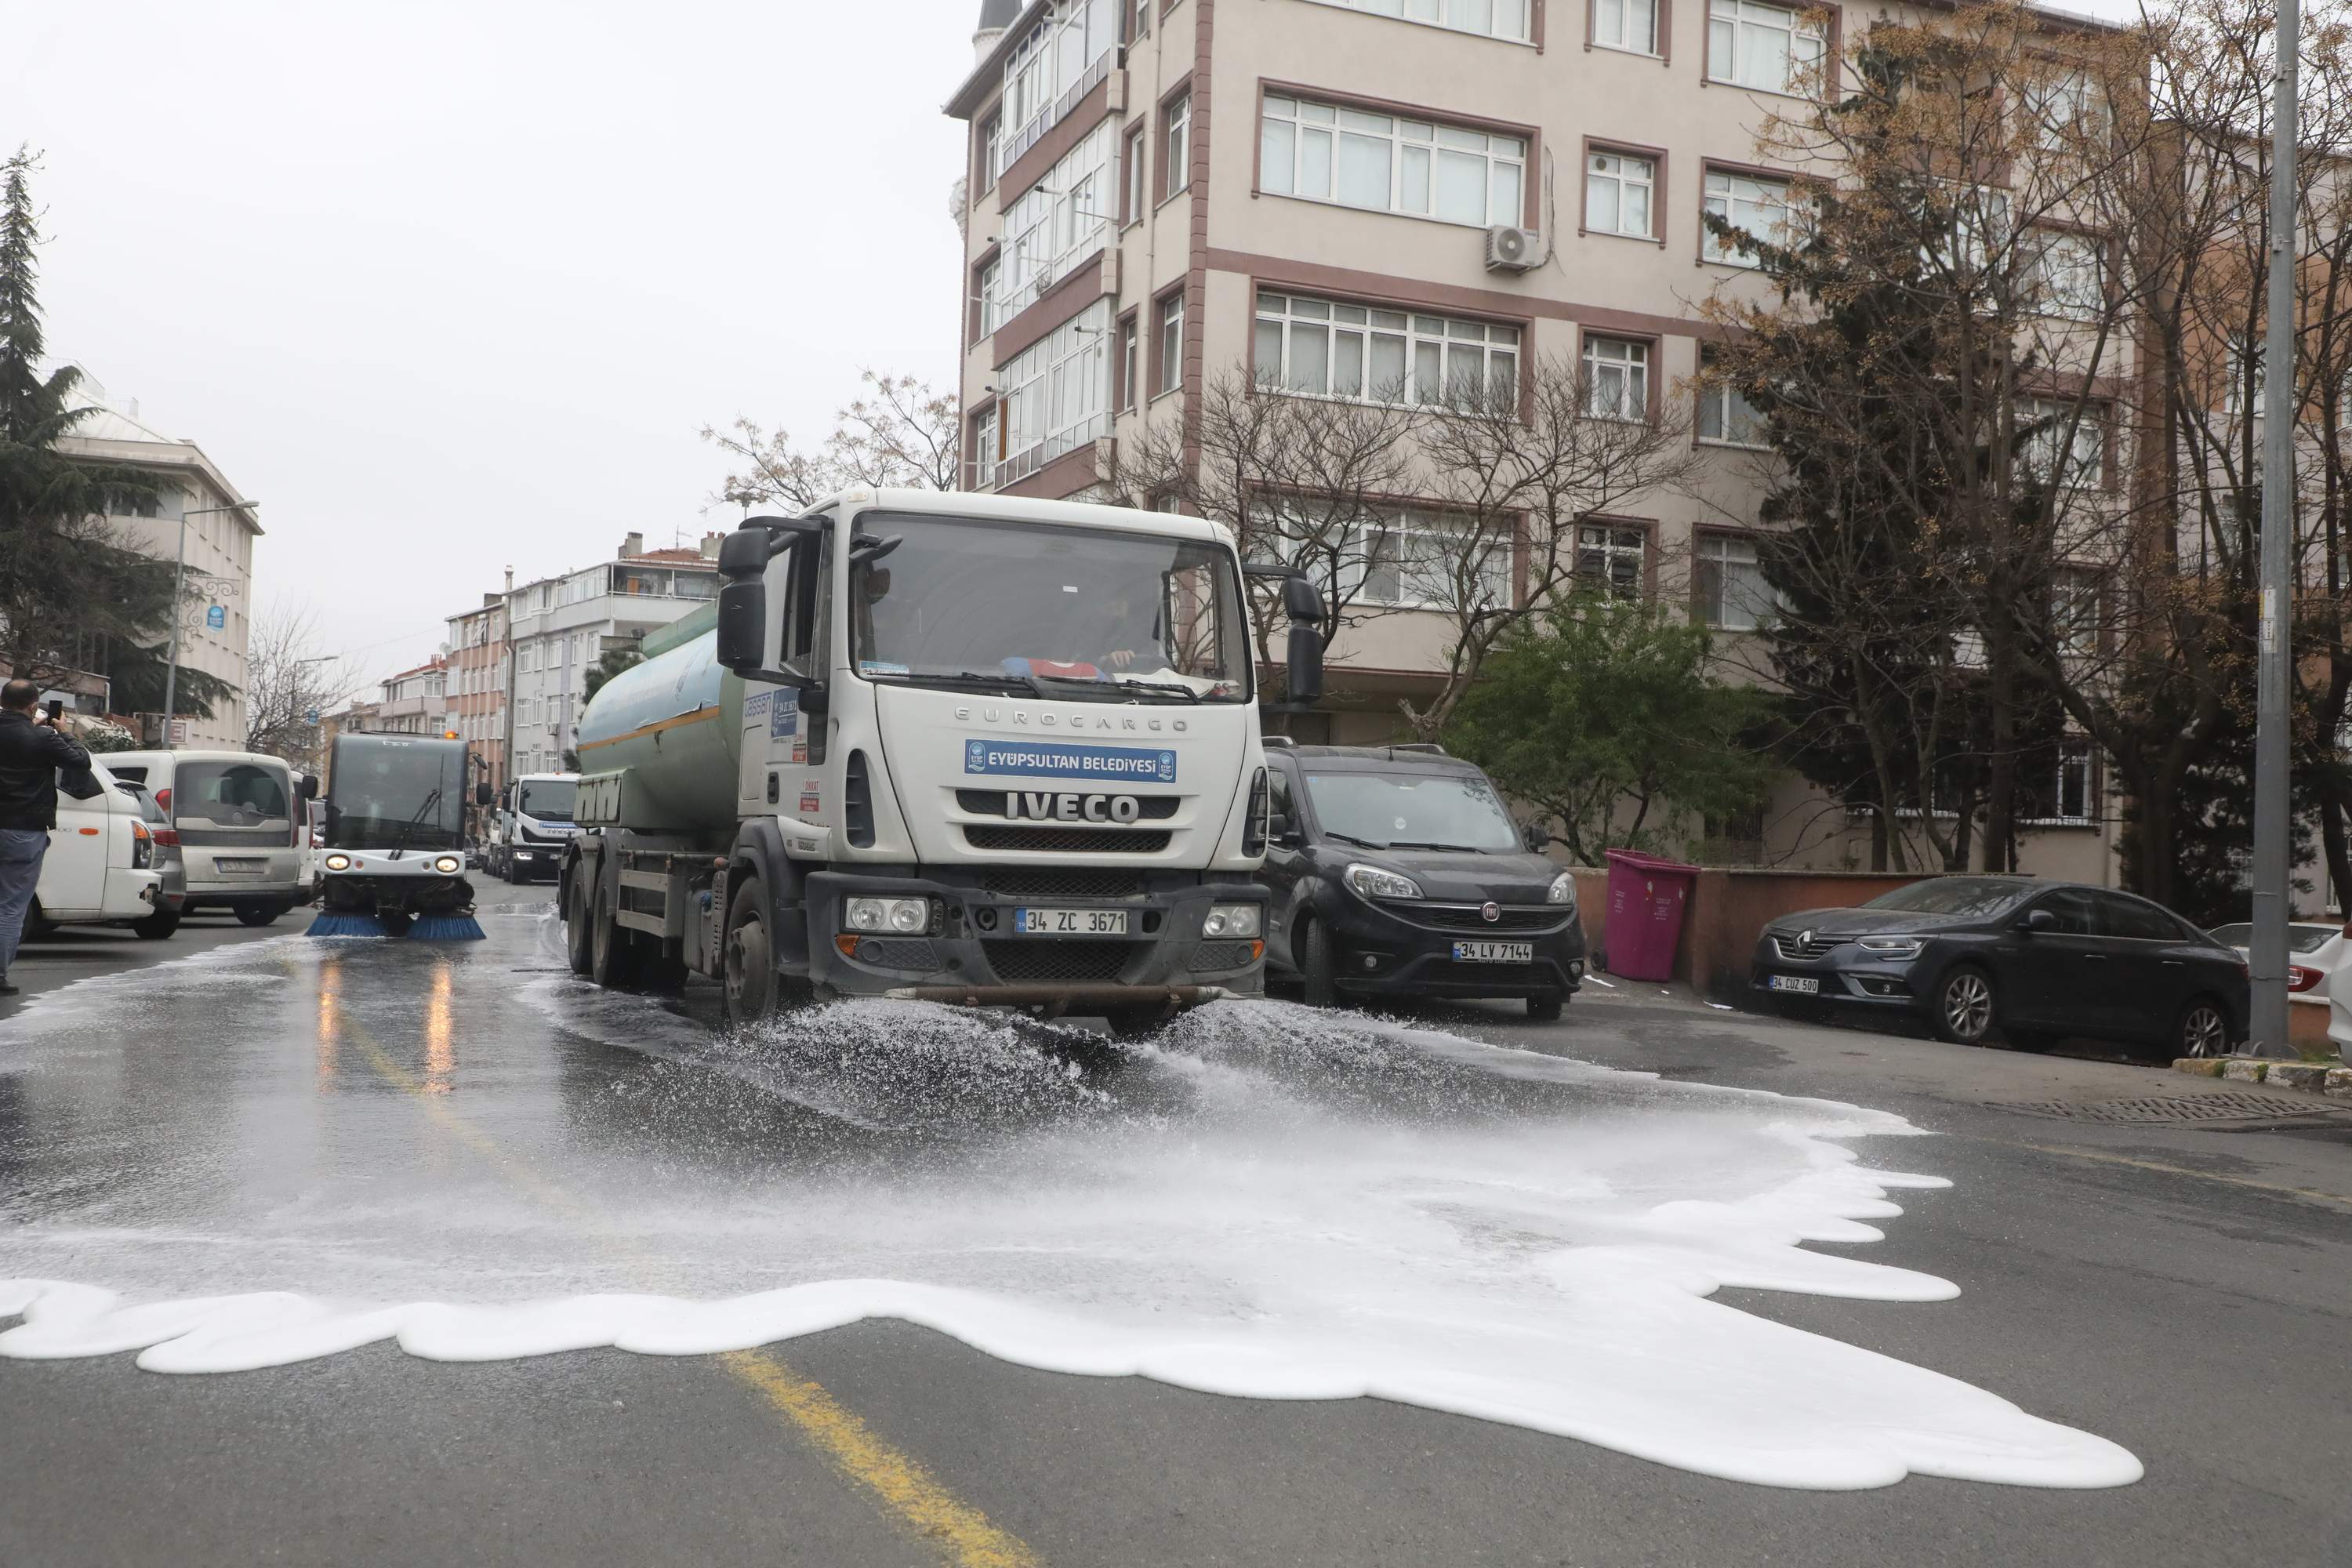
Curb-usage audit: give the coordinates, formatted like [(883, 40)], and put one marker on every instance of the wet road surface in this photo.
[(397, 1183)]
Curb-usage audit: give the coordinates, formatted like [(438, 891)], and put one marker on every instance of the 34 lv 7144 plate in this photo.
[(1070, 922), (1493, 953)]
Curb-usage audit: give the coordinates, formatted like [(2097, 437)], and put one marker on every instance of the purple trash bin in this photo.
[(1647, 894)]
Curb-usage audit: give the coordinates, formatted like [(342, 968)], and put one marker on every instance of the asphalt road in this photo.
[(382, 1116)]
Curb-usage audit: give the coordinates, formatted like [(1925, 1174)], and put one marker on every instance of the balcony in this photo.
[(1016, 143)]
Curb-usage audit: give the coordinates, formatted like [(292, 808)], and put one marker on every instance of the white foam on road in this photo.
[(1270, 1203)]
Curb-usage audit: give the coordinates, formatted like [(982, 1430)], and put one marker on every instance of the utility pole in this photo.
[(2274, 672), (180, 586)]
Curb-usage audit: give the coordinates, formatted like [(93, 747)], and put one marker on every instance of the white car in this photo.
[(2314, 953), (105, 867), (243, 830)]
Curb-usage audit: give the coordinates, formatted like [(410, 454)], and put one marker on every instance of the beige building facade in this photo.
[(1338, 196)]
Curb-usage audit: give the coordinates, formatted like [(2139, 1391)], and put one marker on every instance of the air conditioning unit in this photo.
[(1510, 249)]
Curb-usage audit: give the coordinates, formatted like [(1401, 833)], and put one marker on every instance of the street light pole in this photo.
[(2275, 670), (179, 587)]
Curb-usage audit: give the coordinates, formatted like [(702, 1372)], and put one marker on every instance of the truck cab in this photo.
[(947, 747), (532, 826)]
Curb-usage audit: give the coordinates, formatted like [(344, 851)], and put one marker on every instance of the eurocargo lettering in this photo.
[(806, 791)]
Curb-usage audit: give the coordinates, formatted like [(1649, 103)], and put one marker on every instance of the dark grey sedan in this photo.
[(2033, 959)]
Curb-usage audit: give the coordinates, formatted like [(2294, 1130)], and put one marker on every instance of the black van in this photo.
[(1396, 871)]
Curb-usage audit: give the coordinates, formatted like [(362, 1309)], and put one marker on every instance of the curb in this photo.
[(2310, 1077)]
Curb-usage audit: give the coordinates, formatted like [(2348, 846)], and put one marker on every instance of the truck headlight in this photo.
[(1230, 919), (448, 865), (339, 862), (1893, 946), (1371, 883), (906, 916), (1563, 890)]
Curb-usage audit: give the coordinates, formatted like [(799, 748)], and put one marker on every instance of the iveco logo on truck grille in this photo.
[(1071, 807)]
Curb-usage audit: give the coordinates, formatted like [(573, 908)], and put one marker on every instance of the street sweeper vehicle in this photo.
[(947, 747), (394, 859)]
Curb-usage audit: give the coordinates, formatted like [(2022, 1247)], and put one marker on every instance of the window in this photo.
[(2063, 111), (1053, 65), (987, 290), (1176, 146), (1491, 19), (1405, 559), (1749, 203), (1616, 378), (2083, 464), (1768, 48), (2059, 790), (2074, 610), (1056, 226), (2063, 272), (1056, 393), (1326, 348), (992, 137), (1139, 18), (1726, 418), (1134, 171), (1626, 24), (985, 447), (1617, 191), (1383, 164), (1170, 345), (1130, 350), (1609, 559), (1729, 578)]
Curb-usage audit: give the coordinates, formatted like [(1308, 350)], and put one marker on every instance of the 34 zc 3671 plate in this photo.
[(1070, 922)]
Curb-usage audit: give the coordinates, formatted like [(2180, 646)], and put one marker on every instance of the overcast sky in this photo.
[(449, 285)]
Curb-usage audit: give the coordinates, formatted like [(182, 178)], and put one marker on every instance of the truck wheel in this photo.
[(612, 949), (1317, 965), (749, 960), (157, 927), (578, 947), (251, 913)]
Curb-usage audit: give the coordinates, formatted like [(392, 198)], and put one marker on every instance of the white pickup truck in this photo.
[(109, 866)]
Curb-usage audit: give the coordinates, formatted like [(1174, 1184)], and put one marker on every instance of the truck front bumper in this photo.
[(972, 954), (414, 882)]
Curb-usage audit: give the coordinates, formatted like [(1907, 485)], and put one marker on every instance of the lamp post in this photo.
[(179, 586)]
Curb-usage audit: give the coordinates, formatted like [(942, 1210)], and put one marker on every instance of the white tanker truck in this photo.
[(949, 747)]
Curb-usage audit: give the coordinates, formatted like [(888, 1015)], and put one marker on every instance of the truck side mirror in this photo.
[(484, 796), (743, 626), (746, 552), (1305, 661), (308, 789), (1300, 602)]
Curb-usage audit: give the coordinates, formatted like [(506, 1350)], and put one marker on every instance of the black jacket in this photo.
[(30, 756)]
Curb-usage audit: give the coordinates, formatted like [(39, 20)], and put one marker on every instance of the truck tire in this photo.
[(748, 961), (1318, 966), (613, 952), (579, 948)]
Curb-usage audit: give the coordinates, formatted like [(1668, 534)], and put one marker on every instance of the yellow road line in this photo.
[(964, 1534), (2334, 1200)]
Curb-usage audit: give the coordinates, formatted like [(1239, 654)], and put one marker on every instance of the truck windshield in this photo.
[(1413, 811), (1084, 612), (389, 795), (549, 800)]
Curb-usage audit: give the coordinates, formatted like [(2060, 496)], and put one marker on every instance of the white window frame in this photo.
[(992, 299), (1737, 422), (1733, 594), (1620, 174), (1053, 229), (1436, 355), (1167, 342), (1509, 20), (1732, 194), (1732, 24), (1176, 145), (1613, 545), (2068, 271), (1130, 350), (1050, 69), (1616, 378), (2077, 596), (1292, 130), (1055, 393), (985, 441), (1137, 172), (2062, 107), (1629, 25), (2076, 755), (2086, 465), (1397, 560)]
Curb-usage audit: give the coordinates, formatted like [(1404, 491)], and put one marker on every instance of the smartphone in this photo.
[(57, 709)]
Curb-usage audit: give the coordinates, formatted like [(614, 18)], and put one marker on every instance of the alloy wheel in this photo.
[(1967, 1006), (2203, 1033)]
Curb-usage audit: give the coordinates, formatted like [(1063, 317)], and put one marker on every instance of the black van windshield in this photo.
[(1413, 811)]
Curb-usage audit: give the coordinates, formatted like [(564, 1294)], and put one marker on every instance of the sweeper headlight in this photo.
[(448, 865), (339, 862)]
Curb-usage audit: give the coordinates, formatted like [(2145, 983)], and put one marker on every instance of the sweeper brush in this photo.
[(337, 923), (447, 928)]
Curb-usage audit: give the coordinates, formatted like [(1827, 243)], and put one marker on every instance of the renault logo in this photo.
[(1804, 939), (1492, 912)]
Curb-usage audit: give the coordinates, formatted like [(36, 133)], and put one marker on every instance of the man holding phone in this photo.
[(32, 750)]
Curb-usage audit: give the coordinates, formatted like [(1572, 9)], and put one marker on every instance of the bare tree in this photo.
[(287, 681), (899, 434)]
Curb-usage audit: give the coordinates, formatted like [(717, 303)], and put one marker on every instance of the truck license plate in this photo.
[(241, 867), (1802, 985), (1493, 953), (1070, 922)]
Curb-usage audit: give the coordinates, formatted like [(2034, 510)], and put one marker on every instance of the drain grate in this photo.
[(2176, 1108)]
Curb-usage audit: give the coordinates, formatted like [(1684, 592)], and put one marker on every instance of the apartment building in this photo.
[(562, 626), (478, 680), (415, 703), (218, 550), (1331, 196)]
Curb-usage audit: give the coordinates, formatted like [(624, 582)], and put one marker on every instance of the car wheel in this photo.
[(749, 960), (2204, 1029), (578, 949), (1545, 1009), (1318, 966), (38, 927), (611, 949), (158, 926), (258, 915), (1964, 1005)]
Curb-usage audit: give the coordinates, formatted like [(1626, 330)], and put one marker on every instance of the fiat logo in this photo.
[(1492, 912)]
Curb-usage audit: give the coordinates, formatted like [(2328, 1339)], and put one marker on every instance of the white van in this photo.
[(242, 827), (105, 867)]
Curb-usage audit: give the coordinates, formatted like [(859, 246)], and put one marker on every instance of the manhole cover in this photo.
[(2177, 1108)]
